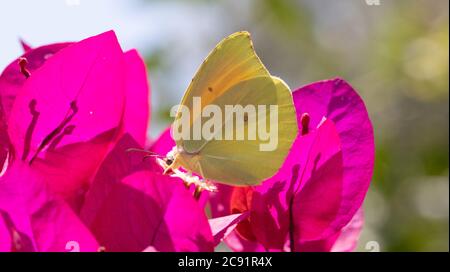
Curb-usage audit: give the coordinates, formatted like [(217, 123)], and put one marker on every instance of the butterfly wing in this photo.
[(232, 60), (234, 75)]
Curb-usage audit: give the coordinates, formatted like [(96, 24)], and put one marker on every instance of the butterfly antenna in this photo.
[(142, 150), (150, 154)]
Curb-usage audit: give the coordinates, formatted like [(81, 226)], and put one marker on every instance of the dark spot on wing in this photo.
[(210, 89)]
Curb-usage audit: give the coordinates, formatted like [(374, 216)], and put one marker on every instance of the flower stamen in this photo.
[(304, 120), (23, 67), (48, 139)]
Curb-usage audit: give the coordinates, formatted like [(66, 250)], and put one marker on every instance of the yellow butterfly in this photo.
[(233, 77)]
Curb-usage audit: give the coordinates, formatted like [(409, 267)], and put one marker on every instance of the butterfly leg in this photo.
[(206, 184)]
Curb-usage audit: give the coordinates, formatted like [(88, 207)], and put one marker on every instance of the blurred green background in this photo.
[(395, 54)]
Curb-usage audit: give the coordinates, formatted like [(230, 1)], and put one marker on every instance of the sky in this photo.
[(146, 26), (47, 21)]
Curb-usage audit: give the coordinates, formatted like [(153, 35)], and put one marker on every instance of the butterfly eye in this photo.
[(169, 161)]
